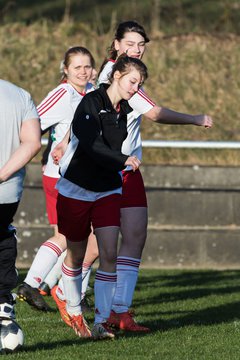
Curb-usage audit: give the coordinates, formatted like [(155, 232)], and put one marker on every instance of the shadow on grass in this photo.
[(172, 278), (226, 313), (189, 294), (155, 289), (53, 345), (206, 317), (198, 285), (76, 342), (188, 285)]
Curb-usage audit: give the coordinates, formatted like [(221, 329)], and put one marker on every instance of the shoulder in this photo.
[(64, 88), (91, 103), (10, 88), (92, 95), (106, 71), (59, 92)]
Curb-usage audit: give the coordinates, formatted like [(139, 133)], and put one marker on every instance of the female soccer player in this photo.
[(90, 190), (57, 111), (131, 38)]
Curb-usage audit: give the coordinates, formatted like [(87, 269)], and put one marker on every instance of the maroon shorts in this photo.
[(133, 194), (51, 194), (75, 217)]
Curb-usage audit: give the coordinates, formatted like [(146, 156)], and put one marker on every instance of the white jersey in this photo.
[(140, 103), (57, 111)]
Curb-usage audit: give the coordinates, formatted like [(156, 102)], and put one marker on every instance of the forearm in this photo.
[(164, 115), (104, 156), (66, 138), (19, 159), (168, 116)]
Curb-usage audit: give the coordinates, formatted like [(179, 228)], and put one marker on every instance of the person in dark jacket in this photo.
[(90, 190)]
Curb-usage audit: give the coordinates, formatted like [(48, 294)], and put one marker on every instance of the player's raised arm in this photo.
[(164, 115)]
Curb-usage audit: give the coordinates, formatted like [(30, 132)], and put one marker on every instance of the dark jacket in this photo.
[(99, 132)]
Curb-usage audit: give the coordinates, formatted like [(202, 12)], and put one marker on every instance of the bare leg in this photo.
[(92, 249), (134, 231), (90, 256), (107, 239), (105, 281)]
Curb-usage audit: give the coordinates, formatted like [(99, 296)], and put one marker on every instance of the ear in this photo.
[(65, 70), (116, 45), (116, 75)]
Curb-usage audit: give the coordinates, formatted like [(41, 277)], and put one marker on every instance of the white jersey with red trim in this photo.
[(140, 103), (57, 111)]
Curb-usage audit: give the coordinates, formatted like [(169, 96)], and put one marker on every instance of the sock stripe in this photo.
[(128, 262), (106, 277), (53, 247), (127, 270), (71, 272)]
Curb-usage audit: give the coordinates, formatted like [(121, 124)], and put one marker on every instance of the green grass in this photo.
[(193, 315)]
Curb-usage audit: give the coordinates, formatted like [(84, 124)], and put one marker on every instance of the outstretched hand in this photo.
[(203, 120)]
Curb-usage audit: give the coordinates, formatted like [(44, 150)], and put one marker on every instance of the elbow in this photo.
[(154, 118), (154, 113)]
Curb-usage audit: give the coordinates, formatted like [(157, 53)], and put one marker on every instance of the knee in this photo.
[(135, 235), (109, 257), (73, 260)]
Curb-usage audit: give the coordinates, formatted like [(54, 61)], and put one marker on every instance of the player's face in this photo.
[(133, 44), (128, 84), (79, 71)]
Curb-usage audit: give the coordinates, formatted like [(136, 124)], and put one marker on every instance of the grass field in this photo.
[(193, 315)]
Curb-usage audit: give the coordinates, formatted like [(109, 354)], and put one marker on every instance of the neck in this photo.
[(80, 89), (113, 95)]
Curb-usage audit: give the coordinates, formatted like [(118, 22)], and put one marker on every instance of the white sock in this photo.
[(127, 275), (43, 262), (72, 283), (86, 272), (104, 289), (60, 290), (55, 273)]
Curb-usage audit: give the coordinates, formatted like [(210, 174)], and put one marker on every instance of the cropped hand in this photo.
[(58, 153), (133, 161)]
